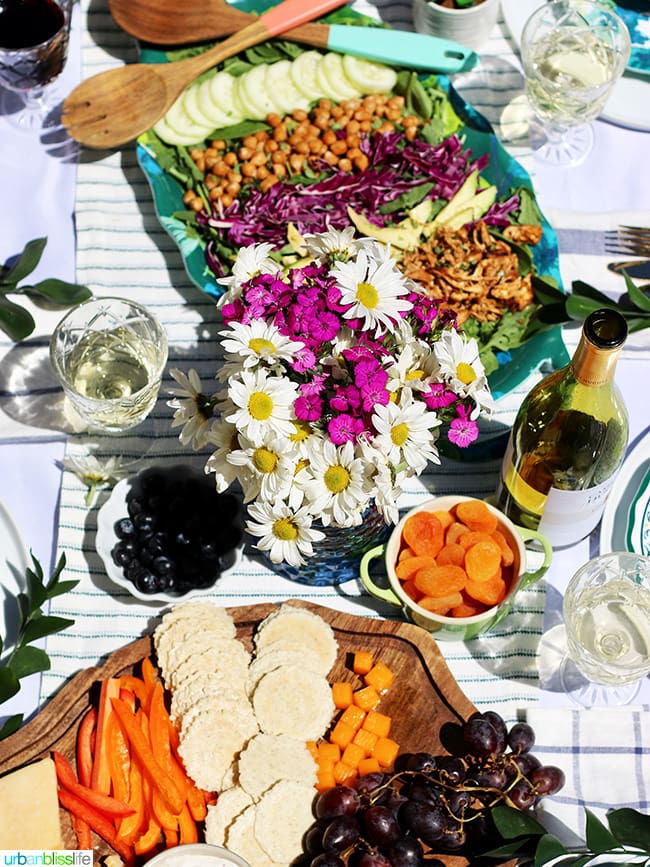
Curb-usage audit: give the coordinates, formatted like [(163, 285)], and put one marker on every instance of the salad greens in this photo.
[(400, 176)]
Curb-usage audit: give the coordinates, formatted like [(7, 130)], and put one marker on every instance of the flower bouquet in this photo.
[(338, 375)]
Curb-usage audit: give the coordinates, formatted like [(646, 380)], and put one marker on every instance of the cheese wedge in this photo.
[(29, 808)]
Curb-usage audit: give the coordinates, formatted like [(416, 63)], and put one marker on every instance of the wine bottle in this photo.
[(569, 439)]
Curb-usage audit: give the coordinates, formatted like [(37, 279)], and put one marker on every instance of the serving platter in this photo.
[(618, 516), (503, 171), (426, 703)]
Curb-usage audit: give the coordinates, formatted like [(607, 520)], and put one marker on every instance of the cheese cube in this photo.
[(29, 808)]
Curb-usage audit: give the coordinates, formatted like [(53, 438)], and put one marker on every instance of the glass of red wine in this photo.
[(33, 50)]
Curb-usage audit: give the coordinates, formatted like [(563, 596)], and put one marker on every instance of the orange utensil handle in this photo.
[(292, 13)]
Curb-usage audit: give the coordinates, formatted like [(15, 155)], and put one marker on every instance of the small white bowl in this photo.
[(116, 507), (470, 26), (197, 855)]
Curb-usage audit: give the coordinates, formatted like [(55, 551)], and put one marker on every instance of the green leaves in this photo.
[(24, 659), (17, 322), (627, 834)]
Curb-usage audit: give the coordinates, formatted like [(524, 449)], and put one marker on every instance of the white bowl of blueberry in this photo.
[(166, 533)]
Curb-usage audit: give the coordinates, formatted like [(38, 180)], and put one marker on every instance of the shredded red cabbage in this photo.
[(396, 166)]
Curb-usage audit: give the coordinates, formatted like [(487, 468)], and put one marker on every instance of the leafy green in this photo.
[(15, 321), (627, 833), (24, 659)]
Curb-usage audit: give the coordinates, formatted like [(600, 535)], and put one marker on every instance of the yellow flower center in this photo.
[(415, 374), (261, 346), (264, 460), (336, 479), (303, 430), (399, 434), (300, 466), (367, 295), (285, 530), (465, 372), (260, 406)]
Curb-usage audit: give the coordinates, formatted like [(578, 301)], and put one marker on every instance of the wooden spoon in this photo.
[(113, 107)]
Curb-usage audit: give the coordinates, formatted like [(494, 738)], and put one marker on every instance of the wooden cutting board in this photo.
[(425, 703)]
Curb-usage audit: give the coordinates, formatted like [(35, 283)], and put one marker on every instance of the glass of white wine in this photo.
[(109, 355), (607, 620), (572, 53)]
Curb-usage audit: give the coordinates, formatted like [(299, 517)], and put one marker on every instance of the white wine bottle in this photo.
[(569, 439)]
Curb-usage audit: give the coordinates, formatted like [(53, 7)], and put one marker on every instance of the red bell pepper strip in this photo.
[(101, 776), (105, 804), (85, 736), (99, 823)]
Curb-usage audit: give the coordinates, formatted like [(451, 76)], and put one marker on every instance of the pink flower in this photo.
[(344, 428), (438, 396), (304, 360), (463, 431), (308, 407)]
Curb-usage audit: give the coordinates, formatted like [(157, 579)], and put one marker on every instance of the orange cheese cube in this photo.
[(377, 723), (353, 754), (386, 751), (342, 695), (362, 662), (380, 676), (353, 716), (328, 754), (342, 734), (366, 740), (367, 698), (369, 765), (344, 773), (325, 780)]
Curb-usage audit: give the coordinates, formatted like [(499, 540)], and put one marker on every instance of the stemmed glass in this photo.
[(33, 50), (607, 620), (572, 53)]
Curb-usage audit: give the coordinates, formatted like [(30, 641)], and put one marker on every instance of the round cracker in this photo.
[(230, 657), (242, 840), (273, 657), (220, 816), (293, 701), (199, 686), (298, 626), (282, 817), (266, 759), (206, 613)]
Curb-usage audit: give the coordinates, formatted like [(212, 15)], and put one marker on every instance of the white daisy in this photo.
[(334, 244), (225, 437), (373, 290), (404, 433), (284, 533), (386, 481), (192, 408), (340, 488), (461, 367), (250, 344), (249, 262), (263, 404), (410, 368), (95, 473), (271, 467)]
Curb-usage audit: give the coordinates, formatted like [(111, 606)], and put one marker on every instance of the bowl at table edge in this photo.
[(470, 26), (197, 855), (454, 628)]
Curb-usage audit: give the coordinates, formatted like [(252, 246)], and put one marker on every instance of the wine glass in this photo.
[(572, 53), (607, 620), (33, 50)]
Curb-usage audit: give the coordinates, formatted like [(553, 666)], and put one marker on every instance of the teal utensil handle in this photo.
[(415, 50)]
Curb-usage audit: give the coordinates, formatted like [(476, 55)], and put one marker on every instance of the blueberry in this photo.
[(146, 581), (135, 506), (158, 543), (124, 528), (124, 552), (163, 566), (144, 521)]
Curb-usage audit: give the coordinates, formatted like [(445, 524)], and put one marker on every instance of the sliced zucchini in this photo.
[(217, 100), (253, 92), (178, 120), (193, 108), (331, 76), (368, 76), (285, 93), (174, 137), (303, 74)]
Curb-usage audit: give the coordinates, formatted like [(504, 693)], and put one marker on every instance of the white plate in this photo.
[(616, 517), (116, 508), (638, 530), (14, 560), (628, 103)]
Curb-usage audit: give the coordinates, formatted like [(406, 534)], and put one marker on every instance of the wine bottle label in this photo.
[(569, 516)]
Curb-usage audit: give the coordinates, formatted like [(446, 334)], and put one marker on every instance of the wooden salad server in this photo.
[(113, 107), (166, 22)]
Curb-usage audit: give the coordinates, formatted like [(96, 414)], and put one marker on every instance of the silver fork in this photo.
[(628, 240)]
